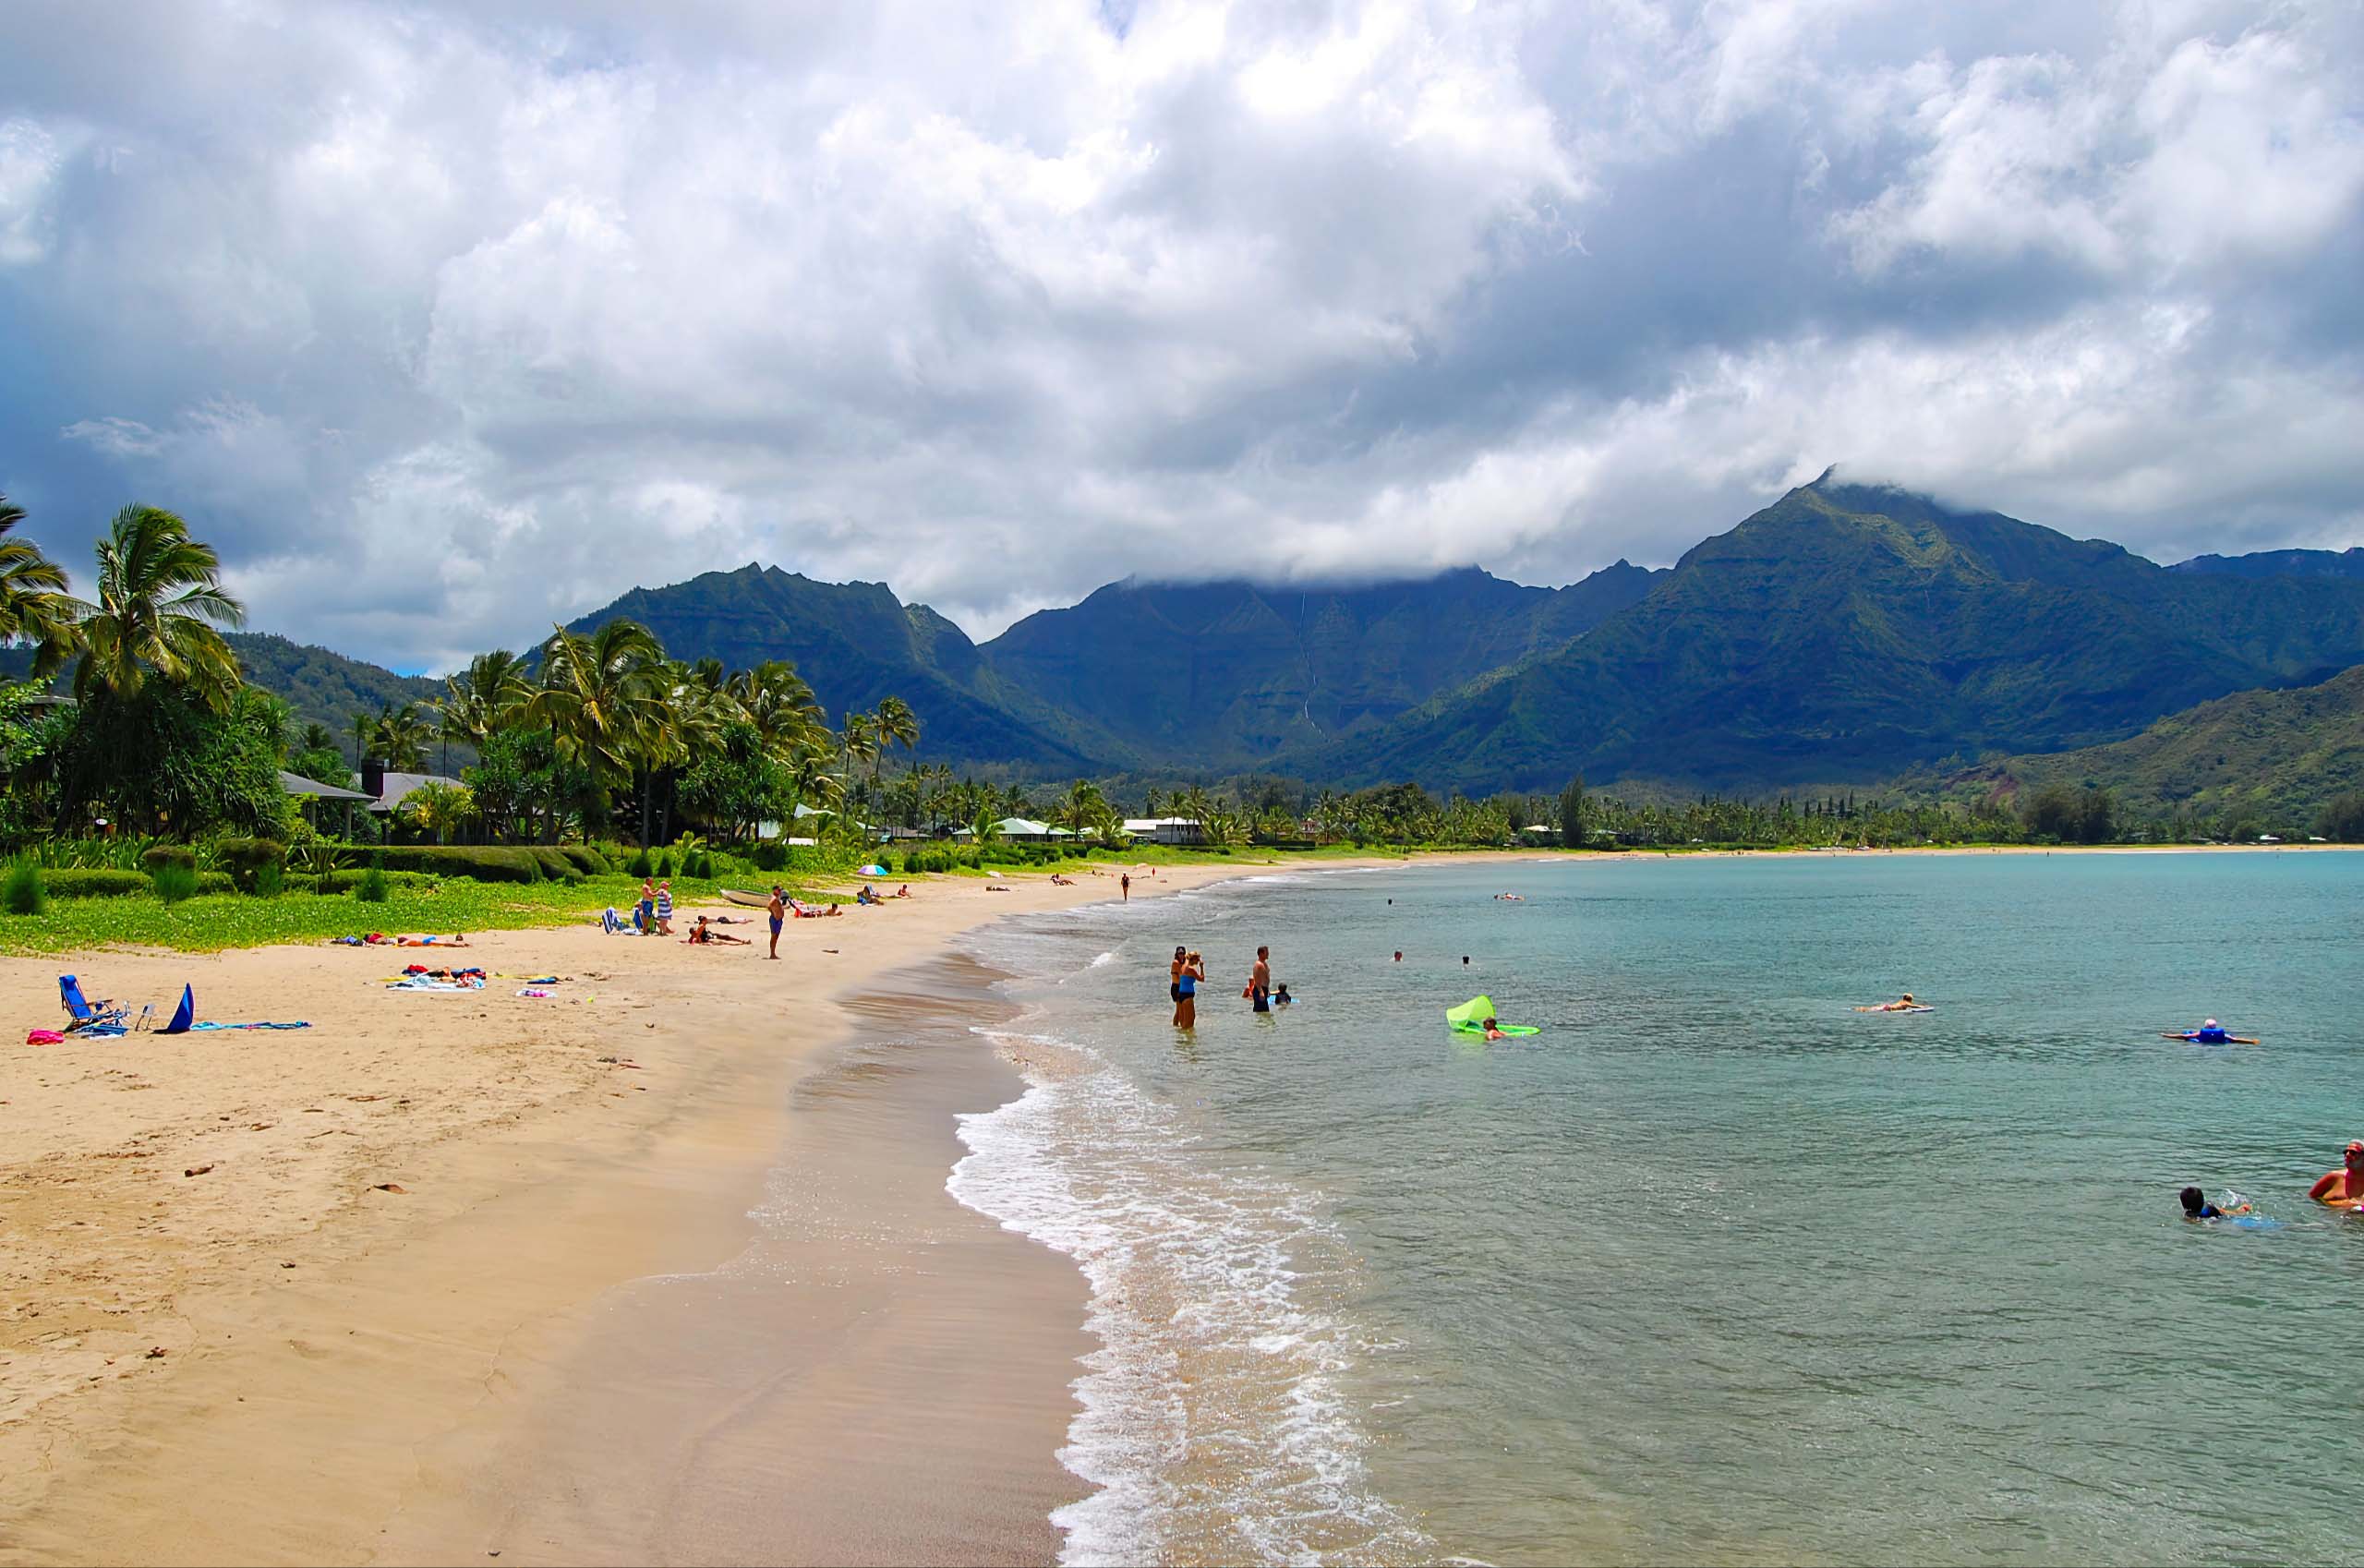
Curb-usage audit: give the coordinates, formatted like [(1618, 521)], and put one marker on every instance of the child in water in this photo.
[(1280, 997), (2197, 1207)]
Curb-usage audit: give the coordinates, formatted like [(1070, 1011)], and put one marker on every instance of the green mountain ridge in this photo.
[(1848, 631), (1230, 673), (2276, 755)]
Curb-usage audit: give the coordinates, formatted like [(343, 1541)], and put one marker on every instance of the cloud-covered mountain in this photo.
[(1847, 632)]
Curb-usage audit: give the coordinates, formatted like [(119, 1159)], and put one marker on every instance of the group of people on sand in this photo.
[(1188, 972)]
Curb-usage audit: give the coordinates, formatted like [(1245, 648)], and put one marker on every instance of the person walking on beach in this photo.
[(1260, 981), (1125, 889), (778, 910)]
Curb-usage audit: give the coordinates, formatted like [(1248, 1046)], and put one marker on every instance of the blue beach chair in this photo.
[(87, 1017)]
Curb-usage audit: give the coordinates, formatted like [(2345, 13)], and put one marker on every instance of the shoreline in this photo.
[(339, 1360)]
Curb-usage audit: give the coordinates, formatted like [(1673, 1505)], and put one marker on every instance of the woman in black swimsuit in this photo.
[(1174, 984)]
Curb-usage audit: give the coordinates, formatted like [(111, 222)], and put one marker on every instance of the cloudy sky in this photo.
[(442, 328)]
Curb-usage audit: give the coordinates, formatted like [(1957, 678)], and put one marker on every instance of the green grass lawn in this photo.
[(211, 924)]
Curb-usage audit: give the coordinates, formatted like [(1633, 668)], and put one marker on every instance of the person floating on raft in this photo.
[(1904, 1004), (1477, 1016), (2210, 1033)]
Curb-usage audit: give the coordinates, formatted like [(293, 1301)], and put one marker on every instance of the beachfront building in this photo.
[(297, 785), (1165, 830), (386, 792), (1023, 828)]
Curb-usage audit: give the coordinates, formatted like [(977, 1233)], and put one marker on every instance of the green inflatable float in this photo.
[(1471, 1016)]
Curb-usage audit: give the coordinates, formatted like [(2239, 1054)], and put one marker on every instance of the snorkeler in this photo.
[(2344, 1187), (2197, 1207)]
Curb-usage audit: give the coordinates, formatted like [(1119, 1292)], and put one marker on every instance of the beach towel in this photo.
[(44, 1037), (428, 982), (203, 1027), (535, 991)]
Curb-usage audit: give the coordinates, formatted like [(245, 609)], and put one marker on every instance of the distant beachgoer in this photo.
[(1174, 981), (2197, 1207), (1186, 1010), (1280, 997), (1465, 960), (2345, 1186), (778, 911), (904, 891), (1494, 1031), (665, 908), (1125, 889), (2210, 1033), (703, 933), (1399, 952), (1903, 1004), (1260, 981), (647, 910)]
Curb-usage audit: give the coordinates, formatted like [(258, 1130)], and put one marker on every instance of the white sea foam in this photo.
[(1211, 1418), (1103, 960)]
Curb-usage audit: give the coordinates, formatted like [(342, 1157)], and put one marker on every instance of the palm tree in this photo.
[(316, 737), (897, 724), (1085, 810), (484, 697), (33, 602), (857, 742), (160, 594), (399, 738), (600, 696), (779, 703)]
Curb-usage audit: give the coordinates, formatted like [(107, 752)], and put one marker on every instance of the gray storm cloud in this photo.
[(443, 329)]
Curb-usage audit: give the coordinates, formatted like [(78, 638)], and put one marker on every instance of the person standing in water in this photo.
[(1174, 981), (1260, 981), (2345, 1186), (1186, 1006)]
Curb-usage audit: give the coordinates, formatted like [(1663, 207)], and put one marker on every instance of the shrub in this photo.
[(167, 854), (533, 868), (244, 859), (175, 881), (665, 865), (639, 864), (22, 893), (271, 880), (372, 887), (584, 859), (94, 882), (572, 879), (769, 854)]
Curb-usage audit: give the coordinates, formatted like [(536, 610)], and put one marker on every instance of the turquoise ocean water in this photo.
[(1713, 1270)]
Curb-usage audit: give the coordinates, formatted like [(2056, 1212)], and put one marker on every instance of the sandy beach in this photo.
[(365, 1291)]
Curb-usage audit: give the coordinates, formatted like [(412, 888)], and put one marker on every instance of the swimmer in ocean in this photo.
[(1280, 997), (2197, 1207), (1494, 1031), (1904, 1004), (2345, 1186), (2210, 1033)]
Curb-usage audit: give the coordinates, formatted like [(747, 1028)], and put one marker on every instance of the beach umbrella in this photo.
[(872, 870)]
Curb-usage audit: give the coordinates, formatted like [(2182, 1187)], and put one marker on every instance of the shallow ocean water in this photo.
[(1714, 1269)]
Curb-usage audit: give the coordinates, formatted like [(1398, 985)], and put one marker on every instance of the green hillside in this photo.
[(855, 643), (321, 685), (1227, 674), (2275, 756), (1845, 633)]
